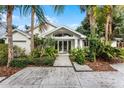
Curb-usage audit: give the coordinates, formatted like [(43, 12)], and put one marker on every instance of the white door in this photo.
[(63, 46)]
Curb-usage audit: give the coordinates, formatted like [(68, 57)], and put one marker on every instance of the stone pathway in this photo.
[(62, 60), (119, 67), (61, 77)]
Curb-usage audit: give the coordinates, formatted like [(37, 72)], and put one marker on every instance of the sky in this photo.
[(71, 17)]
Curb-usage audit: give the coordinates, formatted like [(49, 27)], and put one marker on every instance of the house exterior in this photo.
[(66, 38)]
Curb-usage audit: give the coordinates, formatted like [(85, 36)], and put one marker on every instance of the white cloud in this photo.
[(52, 19), (3, 16), (21, 27), (73, 26)]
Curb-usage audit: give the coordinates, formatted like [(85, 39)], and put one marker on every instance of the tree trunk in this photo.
[(110, 23), (106, 29), (92, 20), (32, 28), (9, 30)]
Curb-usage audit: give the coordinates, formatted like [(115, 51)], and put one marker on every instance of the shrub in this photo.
[(93, 44), (20, 62), (3, 54), (35, 61), (18, 52), (45, 60), (97, 49), (78, 55), (48, 61), (122, 53), (2, 41), (107, 52), (50, 52), (35, 53)]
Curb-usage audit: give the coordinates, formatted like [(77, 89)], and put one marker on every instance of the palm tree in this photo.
[(9, 30), (9, 9), (34, 10), (108, 25)]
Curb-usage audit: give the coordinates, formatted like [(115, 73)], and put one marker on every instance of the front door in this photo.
[(63, 46)]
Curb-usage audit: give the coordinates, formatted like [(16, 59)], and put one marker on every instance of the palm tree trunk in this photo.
[(110, 22), (9, 30), (107, 29), (92, 20), (32, 28)]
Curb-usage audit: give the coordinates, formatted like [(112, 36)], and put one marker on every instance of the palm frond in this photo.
[(59, 8)]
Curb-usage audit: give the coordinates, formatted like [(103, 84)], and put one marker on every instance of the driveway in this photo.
[(61, 77)]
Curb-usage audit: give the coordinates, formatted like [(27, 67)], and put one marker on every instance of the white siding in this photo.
[(49, 28), (21, 41)]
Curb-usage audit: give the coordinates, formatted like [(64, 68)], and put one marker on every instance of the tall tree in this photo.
[(35, 10), (9, 31), (9, 12)]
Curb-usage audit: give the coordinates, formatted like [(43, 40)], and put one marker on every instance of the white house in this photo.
[(65, 38)]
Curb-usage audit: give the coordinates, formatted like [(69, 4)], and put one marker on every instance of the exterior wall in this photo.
[(21, 41), (63, 31), (76, 42), (37, 31)]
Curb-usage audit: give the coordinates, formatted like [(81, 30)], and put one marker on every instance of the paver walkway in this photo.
[(60, 77), (62, 60)]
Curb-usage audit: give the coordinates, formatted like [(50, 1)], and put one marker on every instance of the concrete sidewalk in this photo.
[(62, 60)]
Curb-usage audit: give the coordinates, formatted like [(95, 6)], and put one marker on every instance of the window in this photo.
[(19, 41), (62, 35), (85, 42)]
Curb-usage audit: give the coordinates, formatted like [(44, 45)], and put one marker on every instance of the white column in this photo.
[(58, 45), (76, 43), (67, 45), (81, 43)]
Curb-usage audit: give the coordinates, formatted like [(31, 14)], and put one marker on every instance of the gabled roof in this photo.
[(54, 25), (73, 31), (19, 31)]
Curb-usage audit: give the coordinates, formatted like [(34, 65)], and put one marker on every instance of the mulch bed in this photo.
[(100, 66), (4, 71), (116, 60)]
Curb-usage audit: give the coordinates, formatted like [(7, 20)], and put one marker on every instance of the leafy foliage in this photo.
[(85, 27), (35, 53), (3, 54), (78, 55), (44, 46), (121, 53), (49, 61), (20, 62), (50, 52), (18, 52), (24, 62)]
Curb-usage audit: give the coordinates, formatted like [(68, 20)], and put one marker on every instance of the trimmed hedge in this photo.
[(24, 62), (20, 63)]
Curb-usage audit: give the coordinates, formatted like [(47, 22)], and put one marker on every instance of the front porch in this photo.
[(65, 45)]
